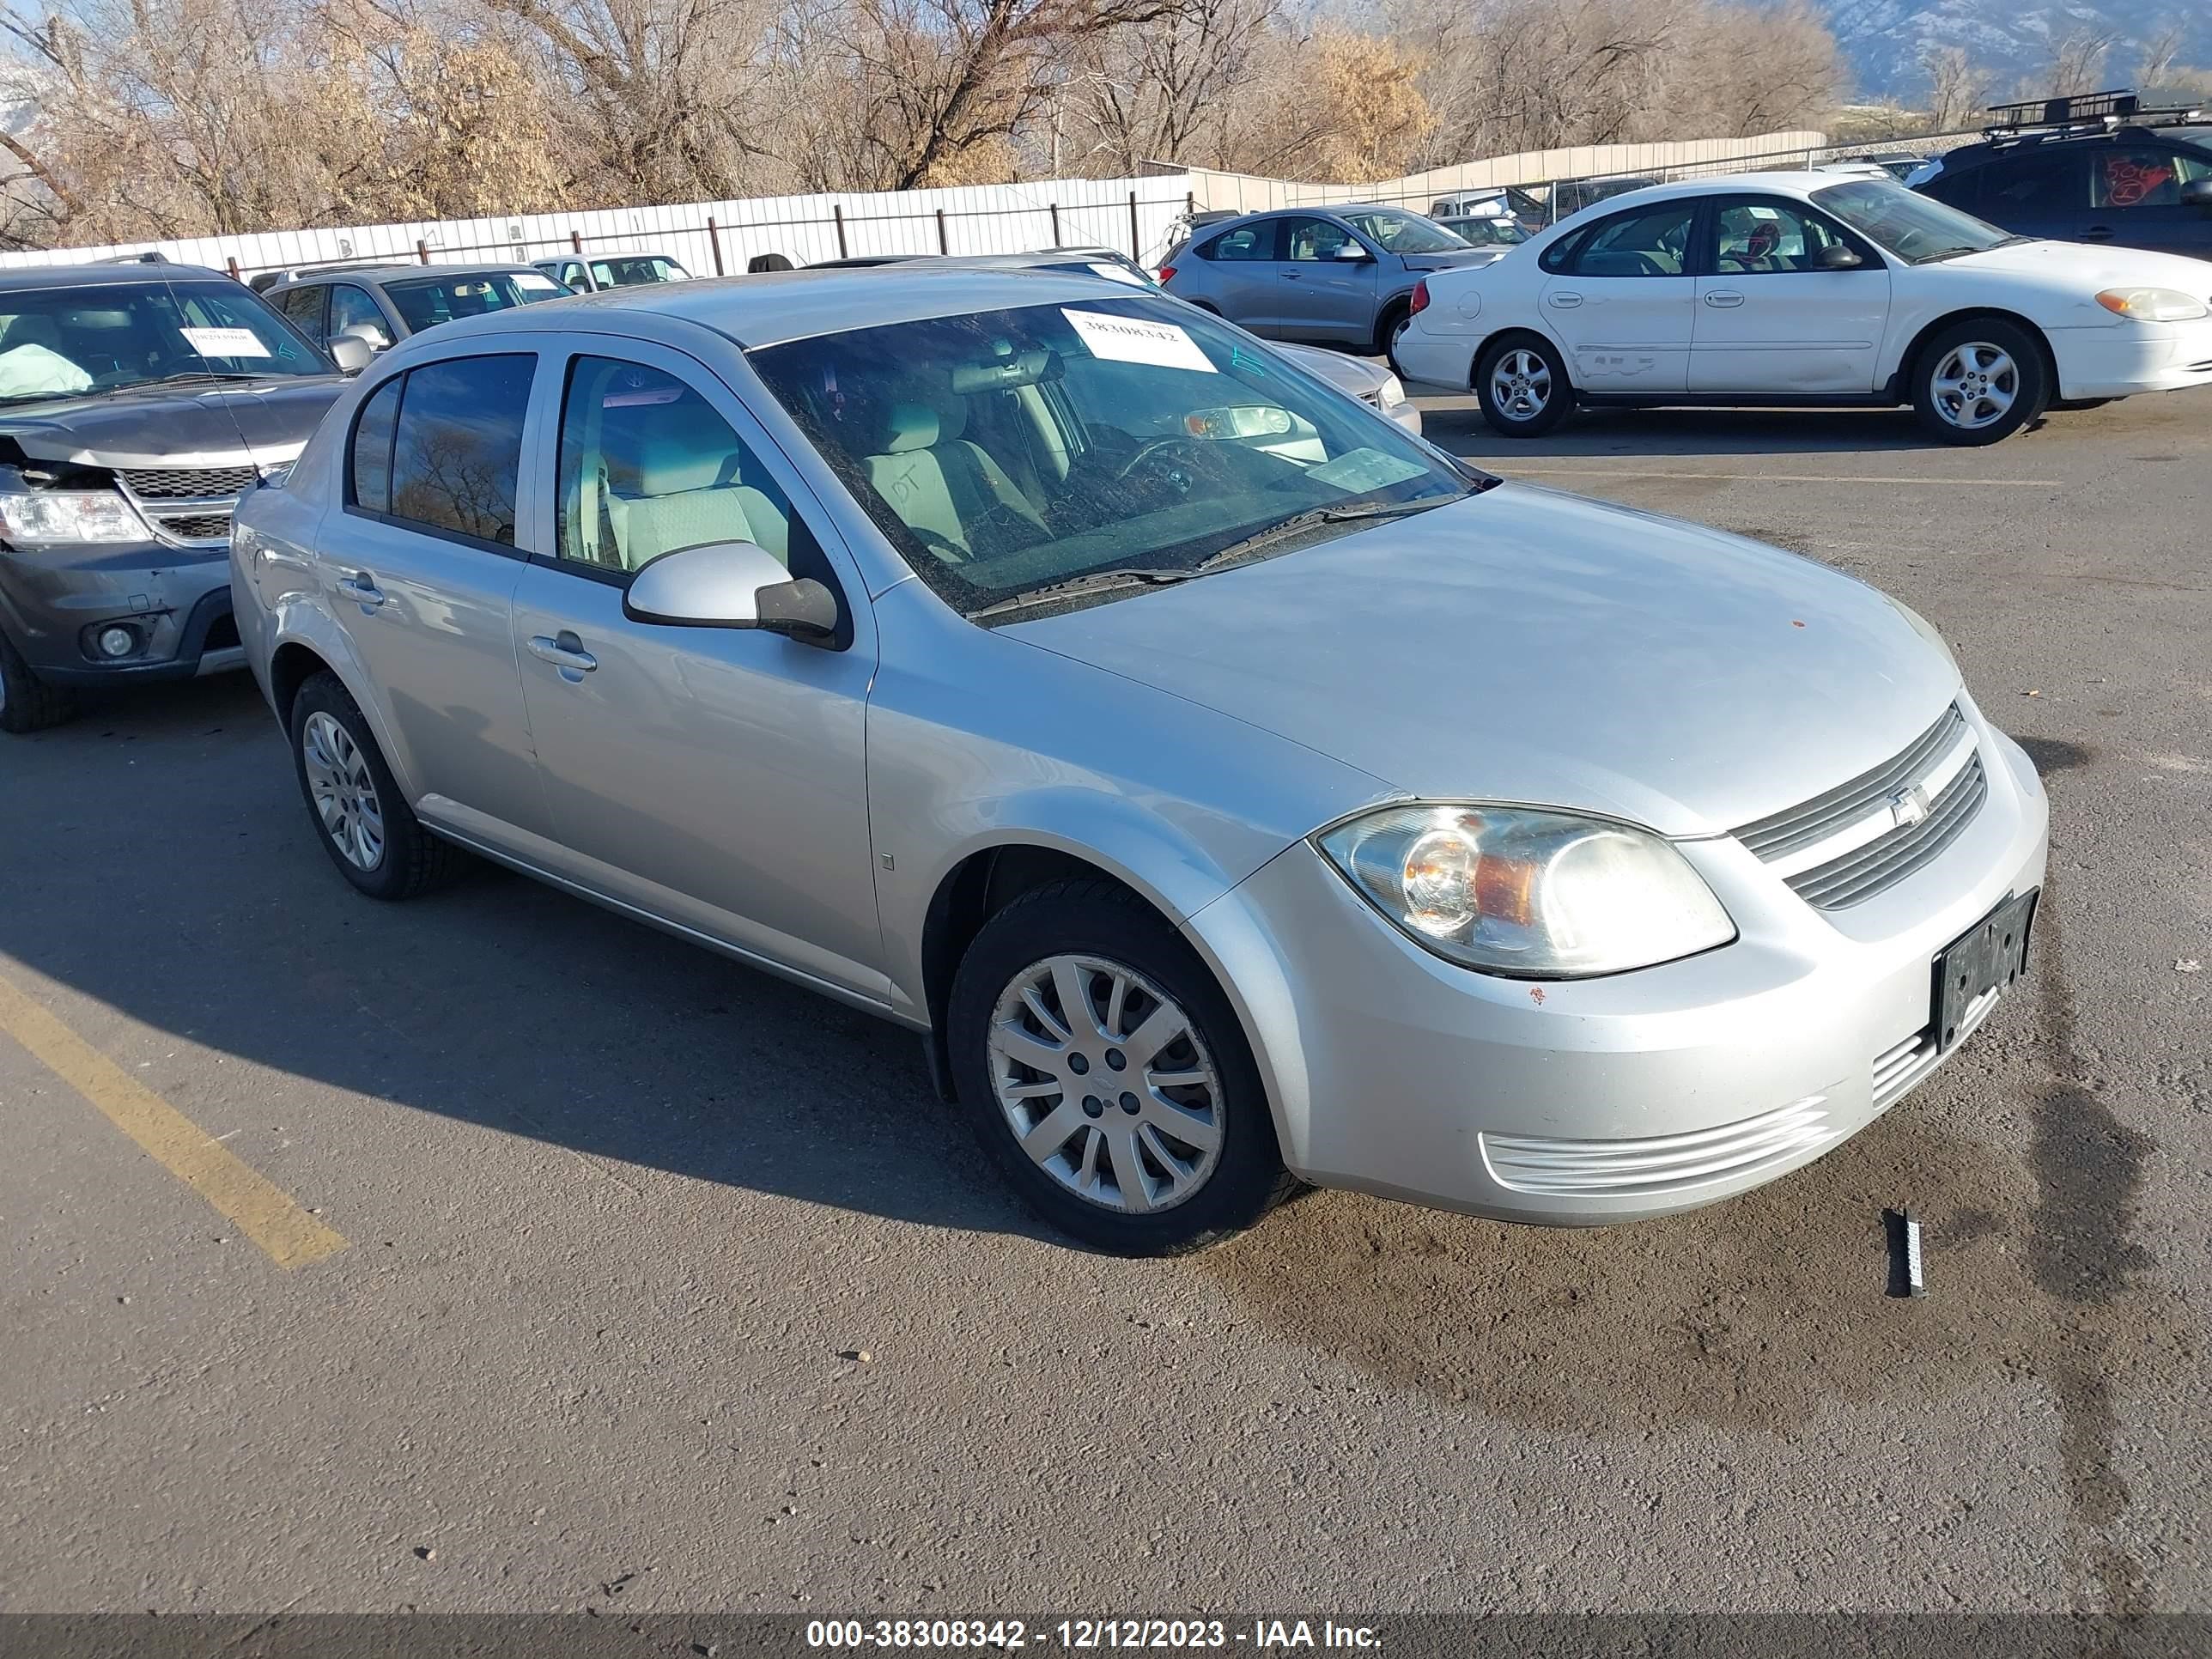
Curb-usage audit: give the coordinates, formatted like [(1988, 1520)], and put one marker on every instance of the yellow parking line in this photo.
[(1755, 477), (261, 1210)]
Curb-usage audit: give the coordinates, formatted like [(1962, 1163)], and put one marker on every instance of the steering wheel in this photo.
[(1151, 450)]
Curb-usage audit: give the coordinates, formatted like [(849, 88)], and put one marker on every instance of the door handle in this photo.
[(2098, 233), (565, 653), (360, 587), (1289, 276), (1564, 301), (1723, 297)]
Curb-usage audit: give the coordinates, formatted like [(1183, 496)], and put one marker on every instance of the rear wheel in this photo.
[(363, 821), (27, 703), (1107, 1077), (1980, 381), (1522, 386)]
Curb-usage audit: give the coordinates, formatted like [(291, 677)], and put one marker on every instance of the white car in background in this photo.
[(1807, 288)]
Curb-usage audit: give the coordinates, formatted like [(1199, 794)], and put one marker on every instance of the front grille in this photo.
[(1844, 846), (1660, 1164), (195, 526), (160, 483), (1896, 1070)]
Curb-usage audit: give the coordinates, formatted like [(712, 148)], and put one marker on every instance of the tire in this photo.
[(1979, 381), (369, 831), (1091, 934), (1528, 373), (27, 703), (1393, 319)]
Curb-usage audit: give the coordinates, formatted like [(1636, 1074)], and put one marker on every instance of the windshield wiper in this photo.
[(1091, 581), (1298, 523), (195, 374)]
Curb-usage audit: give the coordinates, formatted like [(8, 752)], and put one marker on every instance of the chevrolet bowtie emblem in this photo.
[(1908, 807)]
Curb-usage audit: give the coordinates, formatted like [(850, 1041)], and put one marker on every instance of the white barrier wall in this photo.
[(1241, 193), (975, 219)]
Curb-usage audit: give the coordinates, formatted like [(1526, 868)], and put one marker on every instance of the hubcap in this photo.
[(1976, 385), (344, 793), (1105, 1083), (1520, 384)]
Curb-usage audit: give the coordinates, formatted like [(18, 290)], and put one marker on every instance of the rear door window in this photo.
[(1653, 241), (2140, 176), (368, 468), (457, 447), (1246, 242)]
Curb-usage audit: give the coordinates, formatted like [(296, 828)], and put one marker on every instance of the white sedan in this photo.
[(1777, 288)]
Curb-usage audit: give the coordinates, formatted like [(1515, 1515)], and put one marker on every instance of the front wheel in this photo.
[(1980, 381), (1522, 387), (27, 703), (1107, 1077)]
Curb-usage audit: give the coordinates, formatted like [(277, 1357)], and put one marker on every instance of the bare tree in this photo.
[(2077, 62), (2161, 48), (1958, 90)]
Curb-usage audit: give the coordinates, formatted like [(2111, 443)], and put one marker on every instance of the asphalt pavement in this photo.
[(492, 1252)]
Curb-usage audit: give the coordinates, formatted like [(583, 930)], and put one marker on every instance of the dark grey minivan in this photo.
[(138, 402)]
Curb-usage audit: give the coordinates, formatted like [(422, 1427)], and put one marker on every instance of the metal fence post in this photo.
[(1136, 236), (421, 252), (576, 242), (1056, 242), (236, 276), (715, 242), (943, 247), (838, 214)]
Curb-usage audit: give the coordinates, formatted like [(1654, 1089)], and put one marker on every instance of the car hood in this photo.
[(176, 425), (1360, 379), (2089, 266), (1527, 646)]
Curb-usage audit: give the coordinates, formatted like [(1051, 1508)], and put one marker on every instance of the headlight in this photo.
[(41, 518), (1534, 895), (1393, 393), (2154, 305)]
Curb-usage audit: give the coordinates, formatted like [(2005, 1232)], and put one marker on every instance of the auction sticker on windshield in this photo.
[(1138, 340), (224, 342), (531, 282)]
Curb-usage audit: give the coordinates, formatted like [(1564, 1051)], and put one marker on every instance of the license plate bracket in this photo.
[(1976, 967)]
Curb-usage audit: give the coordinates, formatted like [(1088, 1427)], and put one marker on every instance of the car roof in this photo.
[(1800, 183), (2032, 143), (24, 278), (771, 307), (396, 269)]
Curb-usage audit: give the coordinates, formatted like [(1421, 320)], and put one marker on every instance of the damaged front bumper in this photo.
[(56, 602)]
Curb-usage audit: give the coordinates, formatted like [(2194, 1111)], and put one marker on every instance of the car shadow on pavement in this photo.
[(179, 882), (1703, 433)]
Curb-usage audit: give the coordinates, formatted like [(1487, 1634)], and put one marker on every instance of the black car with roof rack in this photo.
[(138, 401), (2095, 168)]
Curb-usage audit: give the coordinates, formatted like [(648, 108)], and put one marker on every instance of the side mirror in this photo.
[(1353, 254), (2198, 193), (730, 585), (1837, 257), (368, 333), (350, 353)]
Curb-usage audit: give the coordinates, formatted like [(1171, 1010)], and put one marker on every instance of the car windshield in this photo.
[(64, 342), (1401, 232), (632, 269), (1005, 452), (426, 301), (1917, 229)]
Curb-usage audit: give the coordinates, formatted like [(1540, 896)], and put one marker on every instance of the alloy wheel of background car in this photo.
[(1979, 381), (361, 817), (1105, 1083), (27, 702), (1058, 987), (343, 792), (1522, 388)]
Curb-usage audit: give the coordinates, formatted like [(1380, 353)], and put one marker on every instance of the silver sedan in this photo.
[(1230, 788)]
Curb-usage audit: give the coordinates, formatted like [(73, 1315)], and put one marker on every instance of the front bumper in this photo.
[(2124, 358), (1584, 1102), (176, 599)]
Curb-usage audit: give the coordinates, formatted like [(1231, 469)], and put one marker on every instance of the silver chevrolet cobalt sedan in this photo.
[(1232, 789)]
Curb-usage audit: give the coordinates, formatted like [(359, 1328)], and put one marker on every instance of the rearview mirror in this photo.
[(1837, 257), (2198, 193), (350, 353), (730, 585)]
